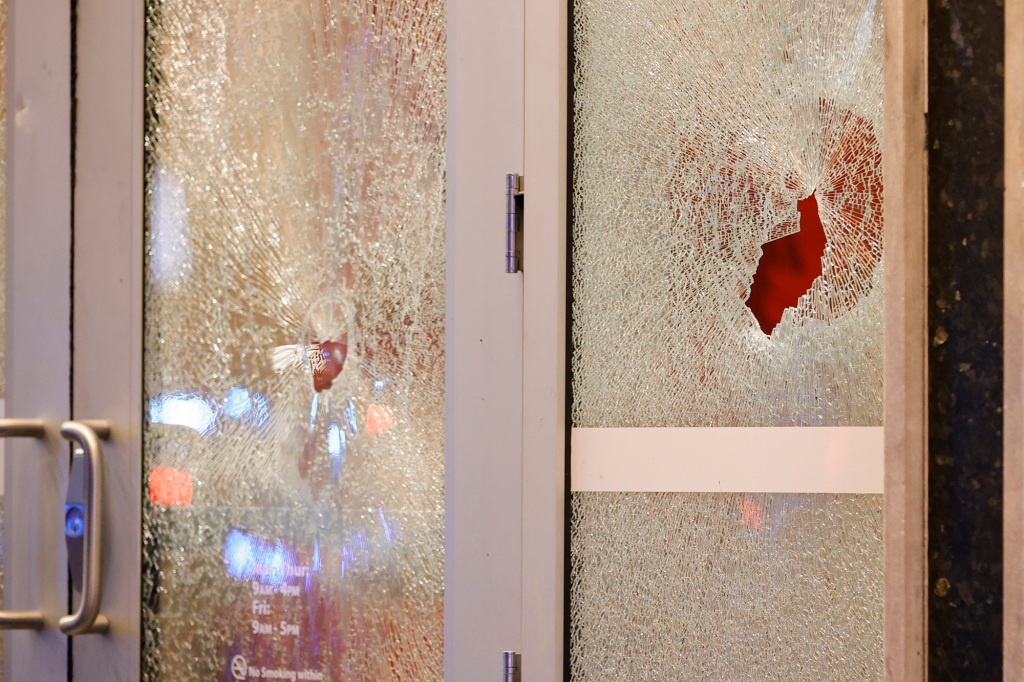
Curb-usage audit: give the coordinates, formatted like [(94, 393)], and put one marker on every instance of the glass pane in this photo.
[(705, 586), (727, 247), (727, 272), (294, 359)]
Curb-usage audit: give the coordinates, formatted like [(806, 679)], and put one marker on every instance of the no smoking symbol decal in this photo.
[(239, 667)]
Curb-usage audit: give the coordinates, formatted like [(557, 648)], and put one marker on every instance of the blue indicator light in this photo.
[(74, 520)]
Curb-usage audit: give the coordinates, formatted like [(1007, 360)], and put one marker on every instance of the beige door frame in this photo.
[(1013, 349), (38, 329), (906, 332)]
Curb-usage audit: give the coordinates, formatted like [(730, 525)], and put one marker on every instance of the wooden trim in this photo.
[(906, 332), (1013, 349)]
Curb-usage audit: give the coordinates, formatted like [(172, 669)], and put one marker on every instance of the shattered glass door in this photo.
[(294, 340), (727, 298)]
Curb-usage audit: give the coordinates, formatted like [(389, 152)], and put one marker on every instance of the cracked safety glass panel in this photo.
[(727, 272), (727, 201), (726, 586), (294, 331)]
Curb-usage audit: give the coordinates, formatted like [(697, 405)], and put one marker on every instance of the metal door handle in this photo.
[(21, 428), (87, 617)]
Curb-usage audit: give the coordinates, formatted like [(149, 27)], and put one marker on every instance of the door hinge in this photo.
[(512, 660), (513, 223)]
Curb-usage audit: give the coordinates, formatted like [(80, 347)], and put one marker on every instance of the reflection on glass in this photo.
[(294, 340), (712, 141)]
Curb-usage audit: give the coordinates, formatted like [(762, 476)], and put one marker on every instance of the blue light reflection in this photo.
[(336, 448), (202, 414), (237, 403), (188, 410), (247, 557)]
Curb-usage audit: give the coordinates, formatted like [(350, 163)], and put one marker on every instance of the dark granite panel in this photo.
[(965, 365)]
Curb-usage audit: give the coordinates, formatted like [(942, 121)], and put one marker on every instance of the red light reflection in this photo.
[(751, 512), (170, 487)]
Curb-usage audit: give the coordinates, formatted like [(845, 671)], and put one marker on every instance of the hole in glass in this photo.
[(788, 267), (326, 360)]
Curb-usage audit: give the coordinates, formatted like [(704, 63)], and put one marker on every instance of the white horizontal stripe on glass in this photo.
[(819, 459)]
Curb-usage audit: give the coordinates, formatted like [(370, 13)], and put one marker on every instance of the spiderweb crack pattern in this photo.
[(704, 586), (698, 128), (295, 296)]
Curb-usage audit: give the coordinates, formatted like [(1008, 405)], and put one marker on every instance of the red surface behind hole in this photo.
[(788, 267)]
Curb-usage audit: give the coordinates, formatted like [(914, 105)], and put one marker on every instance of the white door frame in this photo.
[(107, 359), (484, 346), (544, 346), (38, 328)]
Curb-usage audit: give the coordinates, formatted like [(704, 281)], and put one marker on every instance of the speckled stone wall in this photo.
[(965, 295)]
